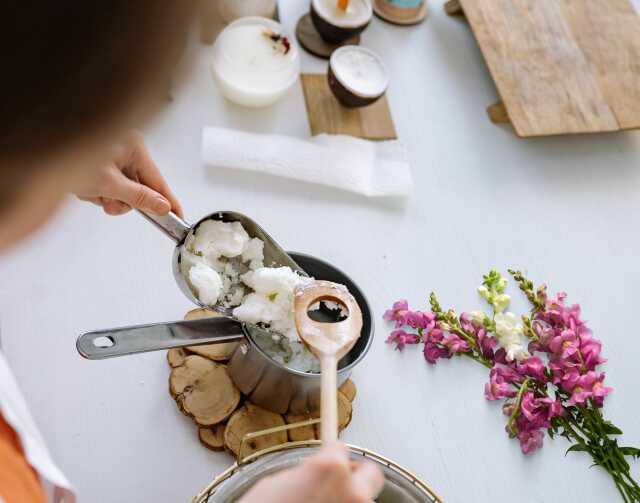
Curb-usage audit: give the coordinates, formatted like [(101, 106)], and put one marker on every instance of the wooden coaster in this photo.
[(399, 15), (561, 67), (310, 39), (327, 115), (222, 414)]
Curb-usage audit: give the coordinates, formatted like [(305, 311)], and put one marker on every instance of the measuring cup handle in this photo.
[(171, 224), (108, 343)]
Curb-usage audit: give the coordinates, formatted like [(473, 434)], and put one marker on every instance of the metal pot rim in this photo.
[(315, 375), (282, 449)]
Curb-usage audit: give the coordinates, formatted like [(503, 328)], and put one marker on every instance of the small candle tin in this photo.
[(357, 76), (404, 12), (336, 26)]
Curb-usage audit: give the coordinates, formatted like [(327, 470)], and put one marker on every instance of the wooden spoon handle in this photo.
[(329, 399)]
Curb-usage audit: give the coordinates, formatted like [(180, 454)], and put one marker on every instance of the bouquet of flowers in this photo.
[(543, 366)]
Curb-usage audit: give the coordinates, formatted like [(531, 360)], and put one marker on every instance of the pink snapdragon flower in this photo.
[(544, 333), (500, 383), (538, 412), (590, 351), (566, 344), (566, 375), (505, 374), (494, 390), (530, 440), (455, 344), (432, 352), (535, 415), (402, 338), (420, 319), (532, 367), (476, 329), (487, 343), (398, 312), (467, 324), (436, 335), (589, 385)]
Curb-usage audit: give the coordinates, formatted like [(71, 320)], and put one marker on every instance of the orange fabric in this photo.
[(19, 483)]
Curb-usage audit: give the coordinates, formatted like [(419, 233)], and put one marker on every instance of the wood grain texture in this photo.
[(327, 115), (562, 66), (498, 113), (608, 32), (453, 8)]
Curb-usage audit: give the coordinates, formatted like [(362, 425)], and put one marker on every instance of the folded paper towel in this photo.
[(375, 169)]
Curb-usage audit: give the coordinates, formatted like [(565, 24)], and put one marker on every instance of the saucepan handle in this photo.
[(171, 224), (99, 344)]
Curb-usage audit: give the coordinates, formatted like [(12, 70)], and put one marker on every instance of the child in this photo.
[(77, 76)]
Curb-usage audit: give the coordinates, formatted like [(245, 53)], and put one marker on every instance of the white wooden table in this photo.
[(563, 209)]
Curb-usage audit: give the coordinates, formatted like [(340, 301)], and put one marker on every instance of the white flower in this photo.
[(517, 352), (501, 302), (483, 291), (502, 283), (509, 334), (477, 316), (507, 325)]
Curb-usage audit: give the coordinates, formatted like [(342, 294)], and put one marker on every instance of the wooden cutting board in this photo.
[(560, 66)]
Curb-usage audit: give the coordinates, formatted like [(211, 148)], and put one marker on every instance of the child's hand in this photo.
[(327, 477), (130, 180)]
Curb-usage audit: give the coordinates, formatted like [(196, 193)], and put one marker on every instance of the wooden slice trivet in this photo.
[(217, 352), (309, 38), (349, 390), (302, 433), (312, 432), (203, 391), (248, 419), (212, 437), (344, 414), (399, 15), (176, 357), (327, 115)]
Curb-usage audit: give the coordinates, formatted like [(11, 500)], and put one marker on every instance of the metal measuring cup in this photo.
[(178, 230), (100, 344)]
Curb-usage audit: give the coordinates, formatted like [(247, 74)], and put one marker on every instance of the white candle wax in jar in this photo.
[(254, 62), (359, 70)]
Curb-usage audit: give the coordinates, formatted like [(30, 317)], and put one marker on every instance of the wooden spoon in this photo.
[(328, 341)]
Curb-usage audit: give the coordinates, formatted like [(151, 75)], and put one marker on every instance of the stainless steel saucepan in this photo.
[(267, 382)]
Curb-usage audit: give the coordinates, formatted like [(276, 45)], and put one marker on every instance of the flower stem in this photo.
[(516, 409), (603, 450), (481, 360)]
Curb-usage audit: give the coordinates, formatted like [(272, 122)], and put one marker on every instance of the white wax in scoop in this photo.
[(359, 70), (357, 13), (251, 69)]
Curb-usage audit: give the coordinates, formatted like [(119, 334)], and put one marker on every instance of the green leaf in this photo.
[(576, 448), (630, 451), (550, 432), (610, 429)]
